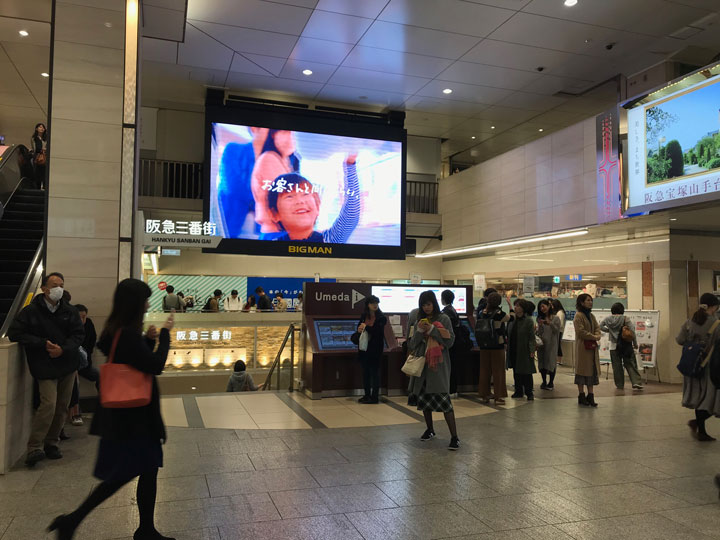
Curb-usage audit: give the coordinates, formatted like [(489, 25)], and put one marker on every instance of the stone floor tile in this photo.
[(703, 519), (683, 465), (548, 532), (239, 483), (514, 481), (501, 535), (440, 462), (195, 534), (51, 502), (180, 449), (332, 500), (612, 472), (417, 522), (378, 452), (312, 528), (505, 512), (225, 447), (358, 473), (693, 489), (526, 458), (295, 458), (199, 465), (637, 527), (200, 434), (435, 489), (235, 510), (19, 480), (182, 487), (324, 439), (621, 499), (4, 524)]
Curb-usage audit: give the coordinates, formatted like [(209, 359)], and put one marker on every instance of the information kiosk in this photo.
[(330, 365)]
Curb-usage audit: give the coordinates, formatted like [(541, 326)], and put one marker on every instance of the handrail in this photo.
[(29, 283), (6, 192), (290, 334)]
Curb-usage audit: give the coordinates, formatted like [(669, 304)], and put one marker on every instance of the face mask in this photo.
[(56, 293)]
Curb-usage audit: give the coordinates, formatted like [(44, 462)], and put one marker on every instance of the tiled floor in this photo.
[(546, 470)]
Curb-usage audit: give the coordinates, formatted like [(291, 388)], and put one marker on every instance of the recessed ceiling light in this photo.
[(570, 3), (45, 74), (673, 219), (108, 25), (492, 127), (473, 137), (541, 129), (307, 71), (23, 33), (447, 91)]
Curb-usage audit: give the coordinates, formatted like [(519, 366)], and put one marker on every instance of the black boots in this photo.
[(591, 400), (588, 401), (581, 399)]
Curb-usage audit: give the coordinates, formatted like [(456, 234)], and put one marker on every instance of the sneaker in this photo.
[(543, 386), (454, 444), (34, 457), (52, 452), (429, 434), (63, 436), (531, 397), (77, 421), (364, 399), (517, 395), (638, 387), (550, 386)]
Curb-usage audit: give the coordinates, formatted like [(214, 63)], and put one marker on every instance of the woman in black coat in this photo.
[(373, 322), (130, 438), (39, 151)]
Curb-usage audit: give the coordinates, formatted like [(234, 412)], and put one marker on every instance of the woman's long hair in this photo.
[(557, 306), (428, 297), (550, 310), (366, 311), (128, 307), (36, 135), (707, 300), (269, 146)]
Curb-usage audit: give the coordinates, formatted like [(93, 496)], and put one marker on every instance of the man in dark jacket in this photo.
[(263, 303), (50, 330)]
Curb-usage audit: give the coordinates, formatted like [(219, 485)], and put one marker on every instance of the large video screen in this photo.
[(283, 192), (394, 299), (674, 148)]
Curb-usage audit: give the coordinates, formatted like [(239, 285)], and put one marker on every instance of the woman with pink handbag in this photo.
[(128, 419)]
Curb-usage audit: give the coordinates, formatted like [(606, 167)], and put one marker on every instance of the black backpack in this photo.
[(486, 334), (206, 307), (463, 343)]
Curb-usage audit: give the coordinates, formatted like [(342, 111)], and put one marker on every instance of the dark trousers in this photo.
[(371, 376), (454, 366), (524, 384)]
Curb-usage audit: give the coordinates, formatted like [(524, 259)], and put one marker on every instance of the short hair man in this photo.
[(172, 301), (51, 332), (263, 303), (213, 304), (233, 302), (280, 303)]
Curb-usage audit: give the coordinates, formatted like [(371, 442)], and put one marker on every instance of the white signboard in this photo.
[(404, 299), (181, 233), (528, 284), (479, 282)]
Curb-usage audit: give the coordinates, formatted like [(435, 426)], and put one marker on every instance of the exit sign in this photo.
[(556, 279), (574, 277)]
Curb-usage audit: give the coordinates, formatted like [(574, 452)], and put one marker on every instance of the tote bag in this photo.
[(414, 364), (363, 341), (121, 385)]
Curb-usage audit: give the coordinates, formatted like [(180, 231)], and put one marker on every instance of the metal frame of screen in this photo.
[(324, 122), (639, 101)]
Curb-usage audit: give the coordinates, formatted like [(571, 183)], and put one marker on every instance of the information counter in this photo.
[(205, 346), (330, 366)]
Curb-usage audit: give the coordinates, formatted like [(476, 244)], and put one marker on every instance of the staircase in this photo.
[(21, 231)]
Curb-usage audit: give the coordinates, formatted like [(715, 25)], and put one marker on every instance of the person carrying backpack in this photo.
[(447, 297), (491, 336)]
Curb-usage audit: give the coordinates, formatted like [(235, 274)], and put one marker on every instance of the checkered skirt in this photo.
[(434, 402)]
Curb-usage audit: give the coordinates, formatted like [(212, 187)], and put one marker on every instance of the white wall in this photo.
[(547, 185)]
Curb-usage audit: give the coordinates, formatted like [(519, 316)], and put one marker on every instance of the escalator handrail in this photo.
[(29, 283), (7, 157)]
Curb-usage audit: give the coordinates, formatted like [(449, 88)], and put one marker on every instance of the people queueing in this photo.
[(372, 322), (51, 332), (491, 336), (171, 301), (521, 349), (548, 330), (587, 356), (622, 351)]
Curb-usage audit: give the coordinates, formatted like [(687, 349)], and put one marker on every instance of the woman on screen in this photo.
[(277, 158), (294, 207)]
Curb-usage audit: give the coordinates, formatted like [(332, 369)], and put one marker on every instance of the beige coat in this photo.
[(584, 358)]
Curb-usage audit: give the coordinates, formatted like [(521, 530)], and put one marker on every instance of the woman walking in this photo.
[(587, 357), (521, 349), (432, 336), (548, 330), (700, 393), (491, 337), (130, 438), (373, 322)]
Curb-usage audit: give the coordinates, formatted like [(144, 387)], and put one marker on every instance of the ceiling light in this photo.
[(23, 33), (473, 137), (492, 127), (541, 130), (45, 74), (447, 91), (108, 25), (570, 3), (496, 245), (307, 71), (673, 219)]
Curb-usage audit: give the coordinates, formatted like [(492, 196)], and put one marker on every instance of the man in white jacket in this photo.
[(232, 302)]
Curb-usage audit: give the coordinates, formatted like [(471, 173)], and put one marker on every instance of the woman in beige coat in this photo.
[(587, 360)]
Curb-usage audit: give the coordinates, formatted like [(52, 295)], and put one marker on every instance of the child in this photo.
[(295, 208), (621, 351), (241, 380)]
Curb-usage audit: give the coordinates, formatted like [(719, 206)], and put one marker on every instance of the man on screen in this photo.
[(295, 207)]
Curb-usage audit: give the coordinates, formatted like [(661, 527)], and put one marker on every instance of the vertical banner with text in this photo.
[(609, 203)]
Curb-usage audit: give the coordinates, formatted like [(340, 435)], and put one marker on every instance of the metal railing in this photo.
[(284, 370), (421, 197), (173, 179), (29, 285)]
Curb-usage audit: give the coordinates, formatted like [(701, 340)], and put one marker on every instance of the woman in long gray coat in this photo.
[(521, 349), (548, 330), (433, 329), (701, 394)]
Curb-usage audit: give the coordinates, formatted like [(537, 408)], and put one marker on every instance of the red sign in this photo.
[(162, 285)]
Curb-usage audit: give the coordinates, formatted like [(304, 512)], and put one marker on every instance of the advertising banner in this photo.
[(609, 203)]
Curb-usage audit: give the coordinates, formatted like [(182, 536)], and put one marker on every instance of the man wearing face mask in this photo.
[(51, 332)]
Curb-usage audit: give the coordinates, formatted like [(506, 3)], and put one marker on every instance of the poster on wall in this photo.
[(288, 287), (608, 167), (646, 324)]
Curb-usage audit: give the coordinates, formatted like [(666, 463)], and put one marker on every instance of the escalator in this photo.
[(22, 227)]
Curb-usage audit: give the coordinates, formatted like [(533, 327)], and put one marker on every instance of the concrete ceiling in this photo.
[(23, 90), (402, 54)]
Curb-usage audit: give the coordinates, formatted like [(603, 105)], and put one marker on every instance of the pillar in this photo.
[(92, 148)]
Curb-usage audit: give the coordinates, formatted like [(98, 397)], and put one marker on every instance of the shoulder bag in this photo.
[(626, 334), (414, 365), (121, 385), (695, 355)]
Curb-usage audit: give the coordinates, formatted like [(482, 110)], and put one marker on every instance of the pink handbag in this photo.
[(121, 385)]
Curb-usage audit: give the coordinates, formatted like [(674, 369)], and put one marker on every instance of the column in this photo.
[(93, 104)]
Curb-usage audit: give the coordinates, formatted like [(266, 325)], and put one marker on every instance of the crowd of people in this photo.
[(178, 303), (59, 339)]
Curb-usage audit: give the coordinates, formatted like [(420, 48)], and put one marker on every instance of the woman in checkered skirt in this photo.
[(432, 336)]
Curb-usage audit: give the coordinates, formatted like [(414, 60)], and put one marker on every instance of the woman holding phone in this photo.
[(130, 438)]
